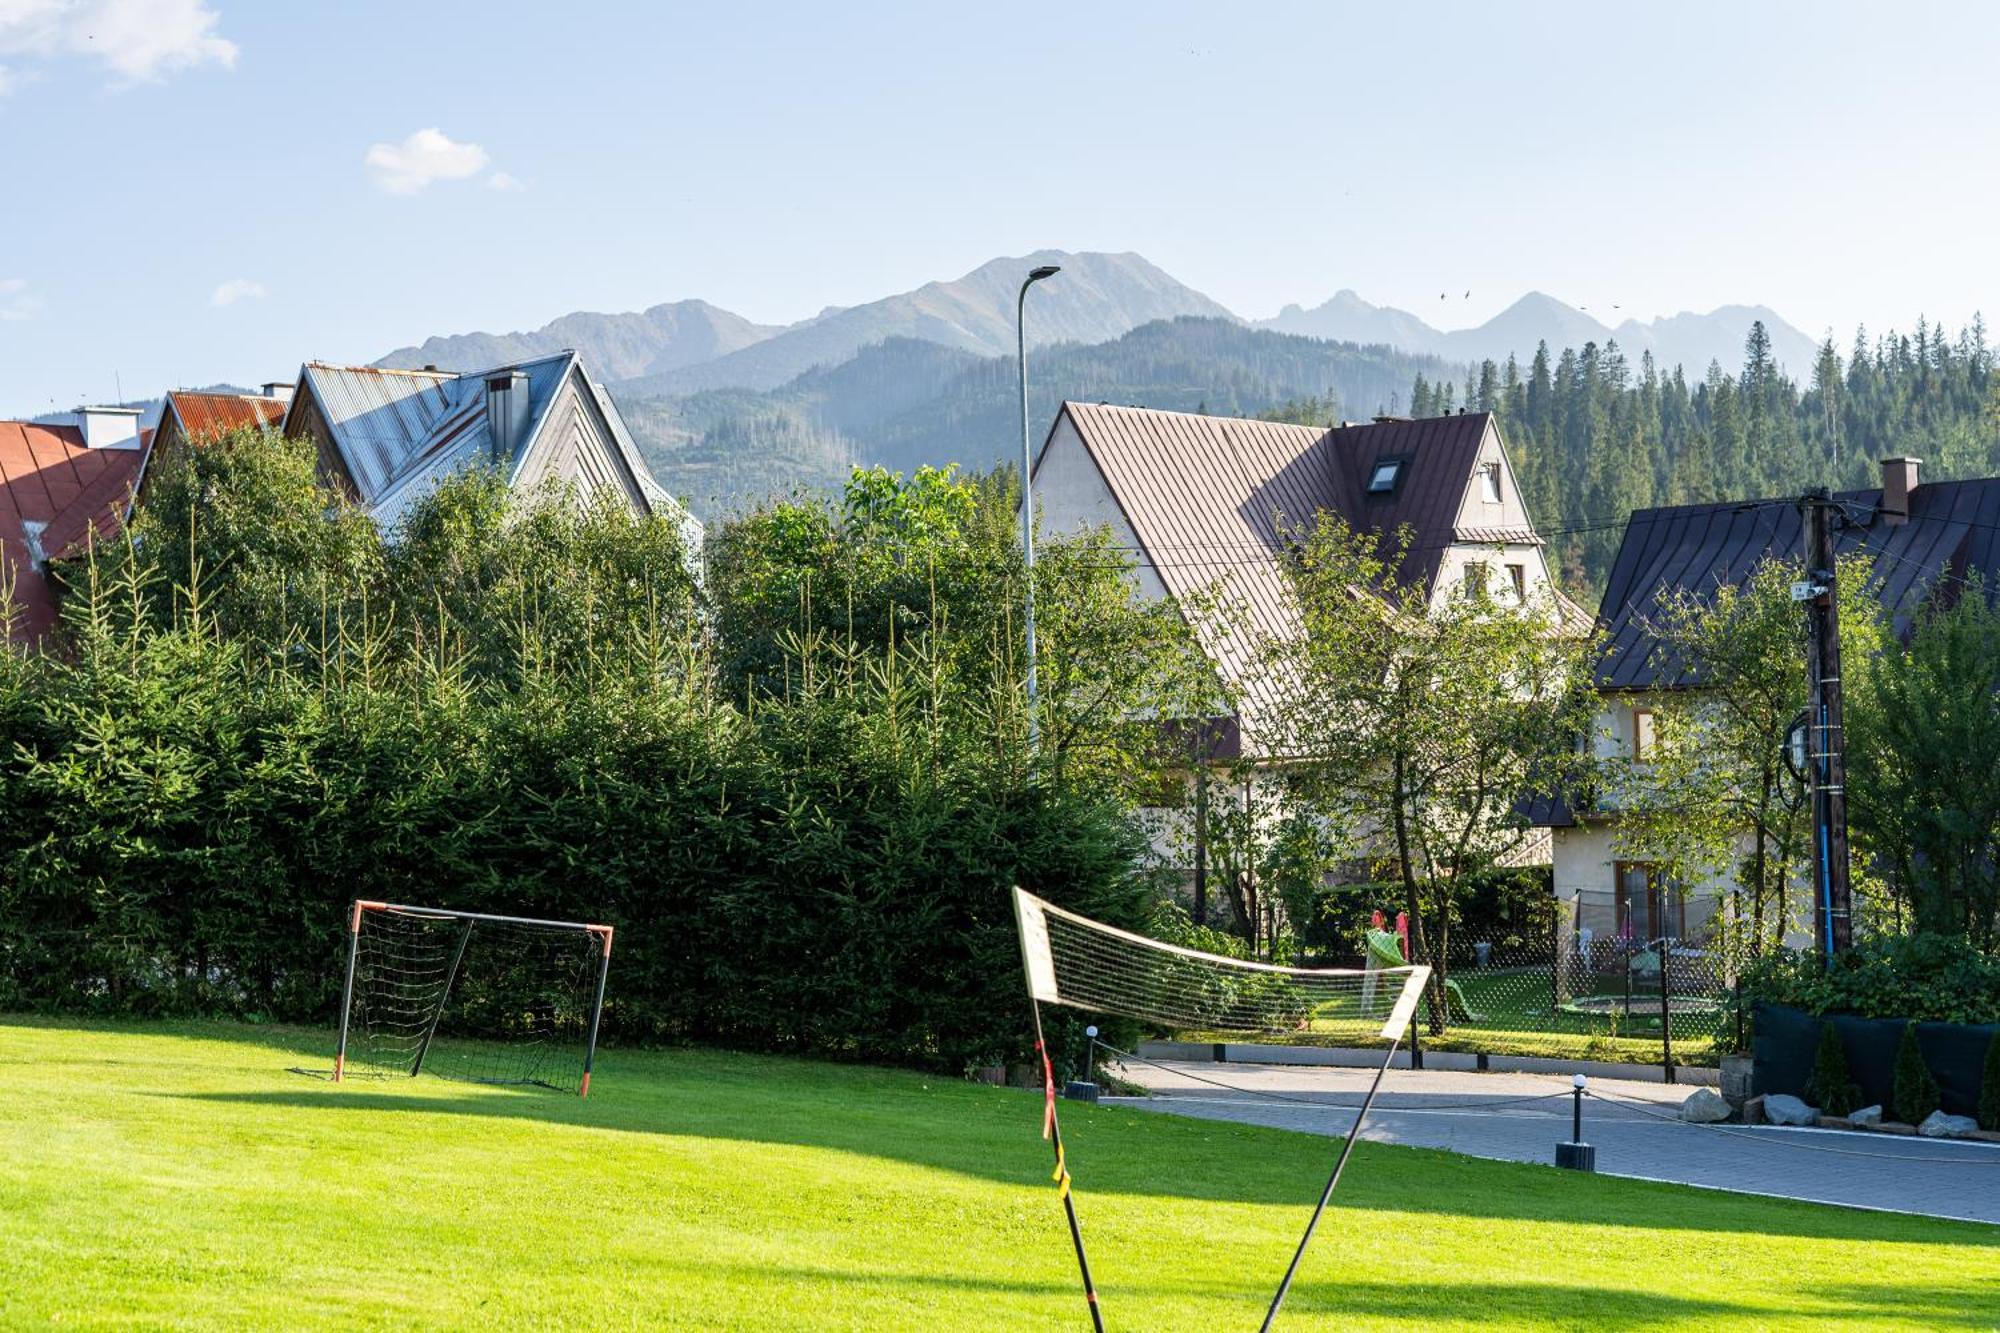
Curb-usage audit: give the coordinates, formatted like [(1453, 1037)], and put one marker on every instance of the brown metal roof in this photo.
[(1215, 500), (52, 482), (1954, 529), (204, 416)]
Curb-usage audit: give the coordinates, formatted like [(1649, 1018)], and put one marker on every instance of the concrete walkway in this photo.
[(1463, 1112)]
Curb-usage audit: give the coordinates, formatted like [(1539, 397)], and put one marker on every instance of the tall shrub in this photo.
[(1915, 1090), (1833, 1086)]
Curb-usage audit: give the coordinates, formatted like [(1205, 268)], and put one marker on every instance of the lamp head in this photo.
[(1041, 271), (1090, 1031), (1579, 1081)]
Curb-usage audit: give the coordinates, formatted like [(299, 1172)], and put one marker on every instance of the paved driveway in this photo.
[(1465, 1113)]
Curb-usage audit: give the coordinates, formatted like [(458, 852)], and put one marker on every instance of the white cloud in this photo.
[(15, 302), (500, 180), (138, 40), (425, 157), (237, 289)]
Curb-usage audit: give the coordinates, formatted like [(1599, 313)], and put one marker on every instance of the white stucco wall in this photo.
[(1510, 511), (1072, 496)]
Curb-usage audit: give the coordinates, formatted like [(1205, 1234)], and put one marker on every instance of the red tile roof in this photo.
[(50, 479), (207, 415)]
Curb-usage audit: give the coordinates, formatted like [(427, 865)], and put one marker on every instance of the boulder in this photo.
[(1938, 1125), (1868, 1117), (1783, 1109), (1704, 1106)]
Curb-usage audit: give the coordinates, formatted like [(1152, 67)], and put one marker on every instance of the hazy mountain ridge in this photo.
[(1098, 297), (615, 346), (726, 448), (1688, 339)]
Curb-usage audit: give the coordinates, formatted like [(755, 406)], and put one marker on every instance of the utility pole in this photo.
[(1826, 734)]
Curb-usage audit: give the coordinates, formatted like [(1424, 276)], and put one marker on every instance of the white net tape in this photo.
[(1085, 964)]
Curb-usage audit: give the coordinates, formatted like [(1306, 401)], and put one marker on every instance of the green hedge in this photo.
[(1932, 978)]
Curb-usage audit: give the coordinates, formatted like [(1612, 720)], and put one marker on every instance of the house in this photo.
[(386, 438), (201, 416), (1915, 538), (64, 482), (1205, 501)]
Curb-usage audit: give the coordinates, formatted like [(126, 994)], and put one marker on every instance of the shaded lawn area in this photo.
[(153, 1174)]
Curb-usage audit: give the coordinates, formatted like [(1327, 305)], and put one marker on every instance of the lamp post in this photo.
[(1035, 275)]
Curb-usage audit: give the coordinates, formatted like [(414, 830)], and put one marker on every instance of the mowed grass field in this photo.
[(180, 1175)]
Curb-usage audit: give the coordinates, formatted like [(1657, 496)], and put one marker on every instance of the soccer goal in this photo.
[(473, 996), (1083, 964)]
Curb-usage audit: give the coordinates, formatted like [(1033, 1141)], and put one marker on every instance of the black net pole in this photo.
[(450, 976), (596, 1014), (347, 991), (1062, 1175), (1354, 1132)]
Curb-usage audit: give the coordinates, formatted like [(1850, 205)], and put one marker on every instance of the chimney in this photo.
[(109, 427), (279, 390), (506, 413), (1899, 483)]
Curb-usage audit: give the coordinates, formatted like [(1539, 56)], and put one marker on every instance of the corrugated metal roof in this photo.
[(204, 416), (53, 485), (1213, 500), (1954, 528)]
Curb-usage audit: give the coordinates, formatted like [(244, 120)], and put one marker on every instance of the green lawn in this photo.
[(156, 1175)]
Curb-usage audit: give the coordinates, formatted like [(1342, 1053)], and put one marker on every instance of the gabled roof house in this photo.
[(1918, 540), (388, 437), (1210, 503), (64, 482)]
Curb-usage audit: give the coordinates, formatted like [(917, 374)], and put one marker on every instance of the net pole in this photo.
[(1069, 1202), (596, 1013), (1340, 1163), (347, 991), (450, 976)]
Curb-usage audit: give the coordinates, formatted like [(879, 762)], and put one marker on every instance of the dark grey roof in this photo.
[(1954, 528)]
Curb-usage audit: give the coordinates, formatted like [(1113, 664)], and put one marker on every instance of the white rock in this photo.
[(1783, 1109), (1938, 1125), (1704, 1106), (1868, 1117)]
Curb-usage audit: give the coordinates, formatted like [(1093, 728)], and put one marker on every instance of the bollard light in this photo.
[(1576, 1155)]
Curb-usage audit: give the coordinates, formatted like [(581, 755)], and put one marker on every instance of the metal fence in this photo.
[(1669, 1000)]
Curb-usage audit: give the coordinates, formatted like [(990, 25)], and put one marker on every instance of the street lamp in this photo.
[(1035, 275)]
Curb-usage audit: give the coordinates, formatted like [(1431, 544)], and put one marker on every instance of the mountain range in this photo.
[(1688, 340), (729, 411)]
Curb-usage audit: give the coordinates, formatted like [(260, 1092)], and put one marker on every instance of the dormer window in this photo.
[(1489, 483), (1382, 481)]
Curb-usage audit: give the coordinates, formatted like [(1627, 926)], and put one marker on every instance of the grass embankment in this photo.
[(180, 1175)]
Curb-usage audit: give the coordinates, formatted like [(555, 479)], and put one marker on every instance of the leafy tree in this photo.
[(1924, 769), (1418, 720), (1715, 798)]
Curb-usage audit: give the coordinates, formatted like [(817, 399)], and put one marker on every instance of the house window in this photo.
[(1475, 578), (1489, 483), (1642, 735), (1648, 906), (1383, 479), (1518, 576)]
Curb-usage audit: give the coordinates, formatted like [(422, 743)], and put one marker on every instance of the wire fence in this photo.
[(1666, 1000)]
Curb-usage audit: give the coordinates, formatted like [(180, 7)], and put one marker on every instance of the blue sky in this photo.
[(192, 190)]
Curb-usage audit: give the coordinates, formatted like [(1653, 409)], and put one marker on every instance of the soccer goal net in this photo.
[(473, 996)]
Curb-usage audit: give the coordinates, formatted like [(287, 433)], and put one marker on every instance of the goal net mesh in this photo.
[(472, 998), (1072, 960)]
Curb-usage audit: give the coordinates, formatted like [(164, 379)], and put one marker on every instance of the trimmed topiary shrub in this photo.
[(1916, 1091), (1989, 1086), (1833, 1086)]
